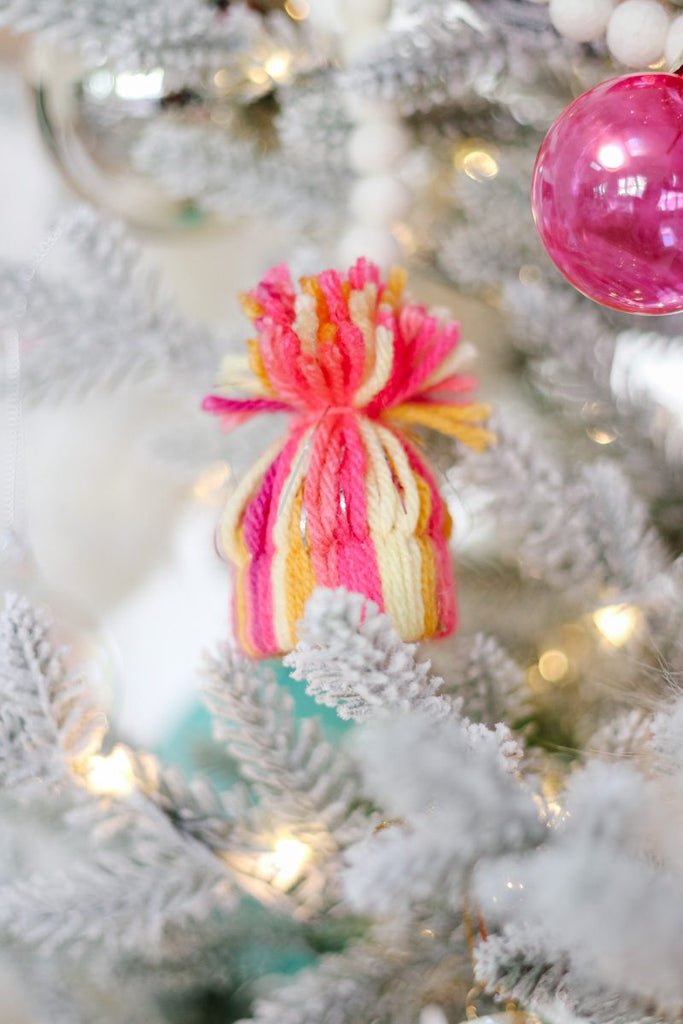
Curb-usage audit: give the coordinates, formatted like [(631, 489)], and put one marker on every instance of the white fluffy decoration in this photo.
[(581, 20), (379, 200), (376, 148), (365, 12), (373, 242), (637, 32), (674, 44), (433, 1014)]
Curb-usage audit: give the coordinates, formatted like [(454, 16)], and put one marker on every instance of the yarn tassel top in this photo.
[(345, 499)]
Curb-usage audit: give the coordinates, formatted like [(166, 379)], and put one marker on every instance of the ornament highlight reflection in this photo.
[(140, 85), (611, 156)]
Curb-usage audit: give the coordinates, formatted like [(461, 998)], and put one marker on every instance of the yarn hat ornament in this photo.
[(345, 498)]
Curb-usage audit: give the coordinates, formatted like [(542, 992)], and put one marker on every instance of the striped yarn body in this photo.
[(346, 499)]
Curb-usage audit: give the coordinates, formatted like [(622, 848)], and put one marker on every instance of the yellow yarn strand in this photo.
[(284, 573), (460, 421)]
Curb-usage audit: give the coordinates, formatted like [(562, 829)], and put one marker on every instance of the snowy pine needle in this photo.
[(352, 658), (48, 718), (109, 323)]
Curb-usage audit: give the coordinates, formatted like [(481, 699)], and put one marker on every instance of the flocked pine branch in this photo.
[(134, 33), (61, 993), (313, 127), (352, 658), (111, 321), (454, 803), (231, 174), (163, 801), (342, 989), (376, 979), (411, 874), (183, 36), (48, 718), (595, 373), (609, 863), (490, 236), (297, 776), (487, 681), (513, 967), (115, 903), (159, 846), (442, 53), (579, 531), (624, 735), (154, 866)]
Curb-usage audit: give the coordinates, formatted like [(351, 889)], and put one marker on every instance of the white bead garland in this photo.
[(379, 199), (674, 44), (433, 1014), (581, 20), (376, 148), (377, 144), (366, 12), (637, 31), (377, 243)]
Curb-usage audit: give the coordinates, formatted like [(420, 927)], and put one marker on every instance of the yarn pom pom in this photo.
[(345, 499)]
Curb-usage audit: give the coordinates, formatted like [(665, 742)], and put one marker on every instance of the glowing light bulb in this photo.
[(110, 775), (284, 865), (259, 76), (298, 9), (616, 622), (601, 436), (278, 64), (553, 666), (477, 159), (479, 164)]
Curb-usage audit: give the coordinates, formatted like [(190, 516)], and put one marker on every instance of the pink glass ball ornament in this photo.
[(607, 193)]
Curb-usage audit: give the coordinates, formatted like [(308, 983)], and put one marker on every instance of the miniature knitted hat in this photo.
[(345, 498)]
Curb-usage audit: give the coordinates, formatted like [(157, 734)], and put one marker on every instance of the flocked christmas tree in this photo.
[(501, 826)]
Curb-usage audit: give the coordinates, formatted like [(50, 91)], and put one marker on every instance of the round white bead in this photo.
[(355, 45), (373, 242), (433, 1015), (379, 200), (674, 44), (637, 31), (363, 110), (364, 12), (581, 20), (375, 148)]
